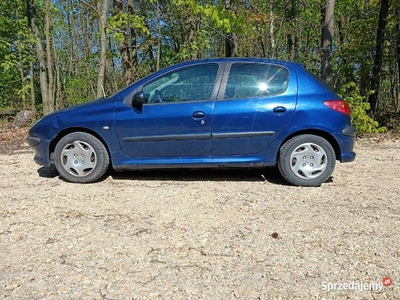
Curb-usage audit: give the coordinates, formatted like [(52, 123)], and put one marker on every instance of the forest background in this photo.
[(57, 53)]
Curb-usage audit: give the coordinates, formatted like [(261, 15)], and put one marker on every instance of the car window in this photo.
[(256, 80), (195, 83)]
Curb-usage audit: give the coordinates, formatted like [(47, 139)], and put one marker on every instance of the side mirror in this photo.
[(138, 99)]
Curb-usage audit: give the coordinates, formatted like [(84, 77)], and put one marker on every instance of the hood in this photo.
[(86, 104)]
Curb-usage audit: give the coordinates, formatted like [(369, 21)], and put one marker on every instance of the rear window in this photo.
[(256, 80)]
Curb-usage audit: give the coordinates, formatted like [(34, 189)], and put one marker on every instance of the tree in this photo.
[(47, 23), (103, 7), (102, 14), (380, 34), (291, 14), (31, 10), (123, 22), (231, 43), (327, 39), (20, 46), (398, 55)]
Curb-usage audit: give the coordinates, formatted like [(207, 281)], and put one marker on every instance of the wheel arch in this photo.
[(334, 143), (66, 131)]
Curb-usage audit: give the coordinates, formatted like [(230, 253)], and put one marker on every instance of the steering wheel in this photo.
[(158, 97)]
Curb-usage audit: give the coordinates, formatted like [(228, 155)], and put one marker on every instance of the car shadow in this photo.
[(270, 175), (48, 172)]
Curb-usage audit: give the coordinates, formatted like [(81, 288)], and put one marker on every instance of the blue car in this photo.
[(214, 113)]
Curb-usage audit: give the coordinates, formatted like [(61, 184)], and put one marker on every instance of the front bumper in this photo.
[(41, 146)]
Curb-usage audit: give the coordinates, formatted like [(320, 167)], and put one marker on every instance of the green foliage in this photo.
[(359, 107), (219, 18), (14, 41), (76, 92), (178, 30), (121, 21)]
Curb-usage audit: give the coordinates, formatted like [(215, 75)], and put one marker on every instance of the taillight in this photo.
[(339, 105)]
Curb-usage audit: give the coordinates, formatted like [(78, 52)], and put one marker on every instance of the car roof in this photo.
[(242, 60)]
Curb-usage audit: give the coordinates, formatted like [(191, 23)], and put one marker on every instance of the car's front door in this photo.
[(176, 120), (256, 103)]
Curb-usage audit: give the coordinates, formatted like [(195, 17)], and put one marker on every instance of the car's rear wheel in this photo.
[(306, 160), (81, 157)]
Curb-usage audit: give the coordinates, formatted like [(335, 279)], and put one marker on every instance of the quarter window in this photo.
[(256, 80), (195, 83)]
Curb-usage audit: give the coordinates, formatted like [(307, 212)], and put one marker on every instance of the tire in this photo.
[(81, 158), (306, 160)]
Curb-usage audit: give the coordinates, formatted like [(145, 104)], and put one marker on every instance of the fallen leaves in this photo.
[(12, 138)]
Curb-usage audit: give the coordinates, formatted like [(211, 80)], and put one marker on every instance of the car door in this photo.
[(256, 102), (176, 120)]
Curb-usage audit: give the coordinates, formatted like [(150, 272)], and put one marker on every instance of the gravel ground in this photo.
[(201, 234)]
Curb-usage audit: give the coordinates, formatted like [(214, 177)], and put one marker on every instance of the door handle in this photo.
[(198, 114), (279, 109)]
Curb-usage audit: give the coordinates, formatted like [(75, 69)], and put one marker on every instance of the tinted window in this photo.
[(194, 83), (256, 80)]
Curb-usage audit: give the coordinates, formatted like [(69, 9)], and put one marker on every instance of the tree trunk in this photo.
[(50, 98), (133, 53), (32, 82), (271, 28), (31, 11), (58, 96), (291, 36), (190, 34), (398, 59), (71, 50), (127, 46), (380, 34), (263, 50), (231, 41), (103, 49), (21, 63), (327, 39), (158, 36)]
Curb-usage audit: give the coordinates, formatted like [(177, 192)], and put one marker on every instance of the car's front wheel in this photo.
[(81, 157), (306, 160)]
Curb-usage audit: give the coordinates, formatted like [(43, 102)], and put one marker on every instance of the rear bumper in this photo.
[(348, 157), (347, 140)]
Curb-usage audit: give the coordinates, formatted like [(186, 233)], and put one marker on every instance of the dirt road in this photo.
[(202, 234)]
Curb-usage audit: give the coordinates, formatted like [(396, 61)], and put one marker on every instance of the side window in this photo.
[(256, 80), (195, 83)]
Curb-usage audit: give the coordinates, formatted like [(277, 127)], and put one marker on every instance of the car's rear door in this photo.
[(176, 121), (255, 104)]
